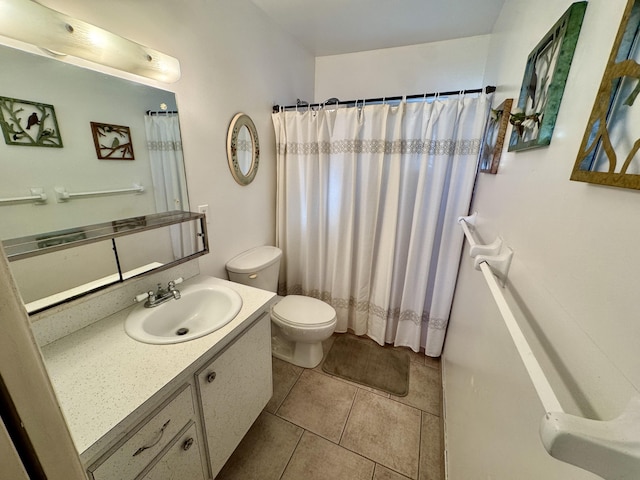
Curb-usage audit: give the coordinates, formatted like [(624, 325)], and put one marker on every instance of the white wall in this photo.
[(429, 67), (233, 59), (572, 282)]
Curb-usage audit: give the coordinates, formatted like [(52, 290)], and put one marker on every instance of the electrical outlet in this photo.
[(204, 209)]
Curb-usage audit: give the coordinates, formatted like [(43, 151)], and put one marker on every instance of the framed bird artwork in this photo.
[(545, 76), (112, 142), (29, 124)]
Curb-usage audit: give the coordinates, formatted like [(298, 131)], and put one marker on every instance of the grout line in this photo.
[(293, 452), (344, 427), (420, 452)]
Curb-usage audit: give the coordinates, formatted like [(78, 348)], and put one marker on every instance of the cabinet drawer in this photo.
[(147, 440), (182, 460)]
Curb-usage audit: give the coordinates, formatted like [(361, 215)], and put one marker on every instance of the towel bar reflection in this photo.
[(609, 448), (62, 195), (37, 196)]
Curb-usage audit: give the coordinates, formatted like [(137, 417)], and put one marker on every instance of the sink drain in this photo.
[(182, 331)]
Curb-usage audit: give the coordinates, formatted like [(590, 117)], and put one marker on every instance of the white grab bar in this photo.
[(543, 388), (611, 448), (37, 196), (62, 194)]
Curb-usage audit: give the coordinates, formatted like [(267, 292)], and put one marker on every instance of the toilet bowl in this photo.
[(299, 324)]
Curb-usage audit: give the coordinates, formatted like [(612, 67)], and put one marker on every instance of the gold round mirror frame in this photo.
[(235, 147)]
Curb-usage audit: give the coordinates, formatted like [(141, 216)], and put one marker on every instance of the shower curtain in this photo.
[(168, 176), (367, 206)]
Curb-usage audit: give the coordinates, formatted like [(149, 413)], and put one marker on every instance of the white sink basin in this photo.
[(202, 309)]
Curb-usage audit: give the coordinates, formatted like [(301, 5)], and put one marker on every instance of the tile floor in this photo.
[(320, 427)]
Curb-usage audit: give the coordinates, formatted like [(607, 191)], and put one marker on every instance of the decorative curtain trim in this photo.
[(353, 305), (164, 146), (411, 146)]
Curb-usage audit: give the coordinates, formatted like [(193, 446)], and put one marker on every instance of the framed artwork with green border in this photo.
[(545, 76), (29, 124)]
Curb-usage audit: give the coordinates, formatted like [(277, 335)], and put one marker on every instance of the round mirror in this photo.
[(243, 152)]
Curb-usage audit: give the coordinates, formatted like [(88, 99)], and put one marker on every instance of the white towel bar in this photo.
[(37, 196), (611, 448), (62, 194)]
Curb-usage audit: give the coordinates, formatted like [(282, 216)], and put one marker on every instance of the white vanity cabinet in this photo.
[(233, 389), (140, 411)]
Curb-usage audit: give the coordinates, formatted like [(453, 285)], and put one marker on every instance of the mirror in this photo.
[(116, 250), (115, 170), (243, 151), (608, 154)]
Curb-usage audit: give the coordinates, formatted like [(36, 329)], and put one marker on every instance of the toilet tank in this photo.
[(258, 267)]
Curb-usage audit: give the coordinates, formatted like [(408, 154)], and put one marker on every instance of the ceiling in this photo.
[(331, 27)]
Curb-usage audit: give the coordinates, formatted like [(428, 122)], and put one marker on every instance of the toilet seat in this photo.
[(303, 312)]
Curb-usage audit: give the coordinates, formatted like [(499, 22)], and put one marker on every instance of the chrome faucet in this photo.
[(161, 295)]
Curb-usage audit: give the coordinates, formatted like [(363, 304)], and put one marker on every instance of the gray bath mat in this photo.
[(363, 361)]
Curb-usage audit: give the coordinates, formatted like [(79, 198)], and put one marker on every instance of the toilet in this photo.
[(299, 324)]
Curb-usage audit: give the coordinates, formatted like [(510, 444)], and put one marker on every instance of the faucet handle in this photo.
[(175, 282), (143, 296)]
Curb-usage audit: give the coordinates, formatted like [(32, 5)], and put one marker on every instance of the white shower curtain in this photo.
[(167, 173), (367, 207)]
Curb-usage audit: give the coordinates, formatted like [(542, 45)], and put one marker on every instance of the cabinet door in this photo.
[(181, 461), (234, 388)]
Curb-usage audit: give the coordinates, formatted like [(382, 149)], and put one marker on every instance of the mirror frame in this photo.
[(242, 120)]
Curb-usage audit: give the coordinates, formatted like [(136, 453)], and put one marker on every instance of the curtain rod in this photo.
[(332, 101), (166, 112)]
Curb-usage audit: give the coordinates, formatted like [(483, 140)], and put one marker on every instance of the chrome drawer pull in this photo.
[(142, 449), (211, 377), (187, 444)]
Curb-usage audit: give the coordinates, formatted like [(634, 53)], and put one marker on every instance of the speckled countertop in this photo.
[(101, 375)]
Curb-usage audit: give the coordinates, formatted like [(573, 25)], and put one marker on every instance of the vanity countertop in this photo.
[(101, 375)]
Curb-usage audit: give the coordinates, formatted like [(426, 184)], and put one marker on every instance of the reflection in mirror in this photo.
[(46, 280), (80, 96), (100, 190), (117, 251), (608, 154), (243, 150), (155, 248)]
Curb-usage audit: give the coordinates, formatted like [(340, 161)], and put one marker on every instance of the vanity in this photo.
[(143, 411)]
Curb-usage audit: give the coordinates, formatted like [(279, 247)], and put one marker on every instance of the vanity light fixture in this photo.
[(30, 22)]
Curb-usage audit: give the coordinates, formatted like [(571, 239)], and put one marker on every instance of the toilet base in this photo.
[(306, 355)]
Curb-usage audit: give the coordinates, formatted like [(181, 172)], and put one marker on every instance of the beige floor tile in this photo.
[(385, 431), (383, 473), (430, 448), (424, 389), (319, 403), (285, 376), (433, 362), (264, 452), (318, 459)]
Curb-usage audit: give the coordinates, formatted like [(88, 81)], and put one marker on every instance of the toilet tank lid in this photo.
[(254, 259)]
